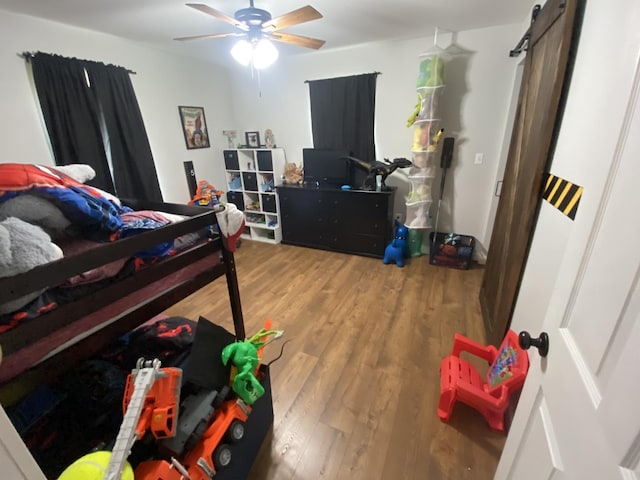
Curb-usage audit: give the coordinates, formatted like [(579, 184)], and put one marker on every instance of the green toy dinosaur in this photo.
[(375, 168), (245, 355)]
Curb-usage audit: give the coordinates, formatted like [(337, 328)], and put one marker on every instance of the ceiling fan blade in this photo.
[(215, 35), (307, 42), (216, 13), (295, 17)]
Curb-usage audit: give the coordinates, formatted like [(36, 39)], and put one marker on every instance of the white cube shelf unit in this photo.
[(252, 175)]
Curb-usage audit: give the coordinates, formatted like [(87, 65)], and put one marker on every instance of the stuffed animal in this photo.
[(430, 72), (398, 248), (23, 247), (292, 173), (37, 211)]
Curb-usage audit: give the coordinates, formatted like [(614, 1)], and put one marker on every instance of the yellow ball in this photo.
[(93, 467)]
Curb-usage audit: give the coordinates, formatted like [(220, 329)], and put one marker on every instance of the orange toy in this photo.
[(206, 195), (210, 453), (460, 381), (160, 410), (228, 423)]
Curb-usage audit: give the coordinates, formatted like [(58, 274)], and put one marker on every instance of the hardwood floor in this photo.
[(356, 391)]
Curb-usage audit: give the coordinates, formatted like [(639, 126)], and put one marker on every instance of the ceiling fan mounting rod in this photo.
[(252, 16)]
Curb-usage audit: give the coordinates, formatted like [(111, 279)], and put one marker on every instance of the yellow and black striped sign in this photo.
[(563, 195)]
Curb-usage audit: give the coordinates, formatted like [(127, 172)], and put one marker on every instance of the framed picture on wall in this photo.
[(252, 139), (194, 127)]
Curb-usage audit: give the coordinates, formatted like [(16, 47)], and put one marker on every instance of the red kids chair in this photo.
[(460, 381)]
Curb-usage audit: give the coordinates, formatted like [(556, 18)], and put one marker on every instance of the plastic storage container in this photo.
[(451, 249)]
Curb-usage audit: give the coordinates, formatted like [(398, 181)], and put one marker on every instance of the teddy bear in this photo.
[(292, 173), (22, 247)]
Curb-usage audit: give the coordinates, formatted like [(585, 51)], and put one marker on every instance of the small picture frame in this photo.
[(252, 139), (194, 127)]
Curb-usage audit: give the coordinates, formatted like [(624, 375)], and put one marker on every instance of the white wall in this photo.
[(162, 83), (474, 106), (474, 110)]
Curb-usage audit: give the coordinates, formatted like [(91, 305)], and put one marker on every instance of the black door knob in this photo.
[(541, 343)]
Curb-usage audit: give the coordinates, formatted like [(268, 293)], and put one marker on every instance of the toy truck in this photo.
[(194, 435)]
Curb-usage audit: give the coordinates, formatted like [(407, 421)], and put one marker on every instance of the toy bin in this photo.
[(451, 249)]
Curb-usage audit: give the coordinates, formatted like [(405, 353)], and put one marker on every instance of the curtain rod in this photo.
[(372, 73), (523, 44), (29, 55)]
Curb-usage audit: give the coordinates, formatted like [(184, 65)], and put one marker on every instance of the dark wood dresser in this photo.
[(350, 221)]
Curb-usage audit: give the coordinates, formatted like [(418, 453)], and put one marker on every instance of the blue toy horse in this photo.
[(398, 249)]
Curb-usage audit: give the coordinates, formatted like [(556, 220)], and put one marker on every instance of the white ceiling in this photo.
[(344, 23)]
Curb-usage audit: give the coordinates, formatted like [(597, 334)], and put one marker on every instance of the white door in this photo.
[(579, 412)]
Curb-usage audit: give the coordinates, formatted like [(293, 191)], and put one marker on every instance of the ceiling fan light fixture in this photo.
[(261, 53), (242, 52), (264, 54)]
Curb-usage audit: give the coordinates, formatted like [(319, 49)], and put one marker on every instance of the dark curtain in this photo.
[(71, 115), (343, 113), (133, 168)]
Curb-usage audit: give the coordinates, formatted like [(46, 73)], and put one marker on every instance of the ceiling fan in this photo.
[(256, 24)]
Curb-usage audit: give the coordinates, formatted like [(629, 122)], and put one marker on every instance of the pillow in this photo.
[(78, 171)]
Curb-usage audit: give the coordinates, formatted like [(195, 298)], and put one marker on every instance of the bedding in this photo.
[(84, 206), (52, 206)]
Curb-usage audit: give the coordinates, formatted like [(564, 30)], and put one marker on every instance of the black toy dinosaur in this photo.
[(375, 168)]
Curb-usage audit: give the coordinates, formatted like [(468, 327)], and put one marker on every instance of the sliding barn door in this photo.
[(533, 131)]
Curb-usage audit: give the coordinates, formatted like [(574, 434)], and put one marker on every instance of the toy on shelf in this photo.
[(375, 168), (234, 181), (255, 206), (398, 248), (292, 173), (231, 137), (254, 218), (269, 138), (460, 381), (267, 184), (206, 195)]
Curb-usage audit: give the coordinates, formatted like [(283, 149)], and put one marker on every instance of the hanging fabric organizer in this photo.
[(427, 132)]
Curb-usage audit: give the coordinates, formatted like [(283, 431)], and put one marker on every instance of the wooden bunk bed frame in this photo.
[(188, 271), (26, 340)]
